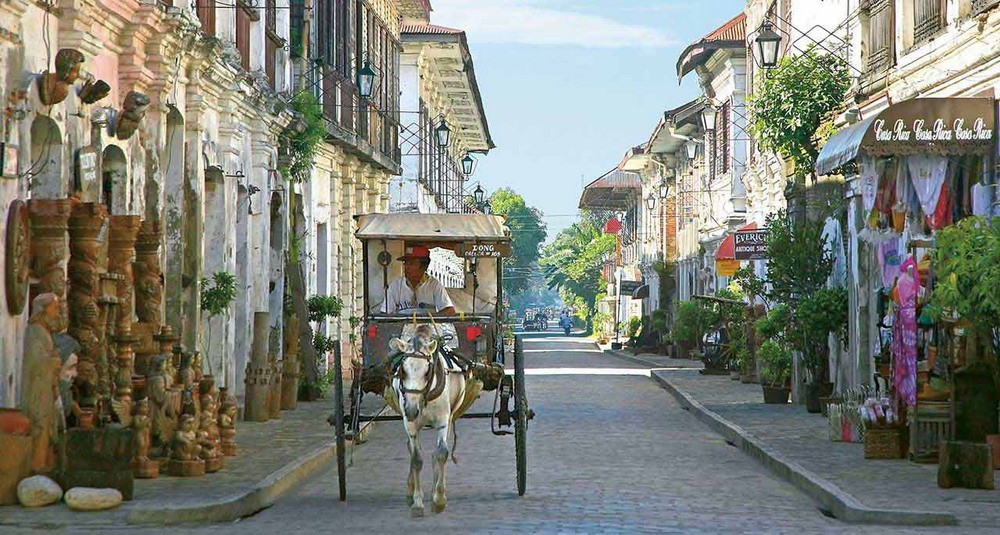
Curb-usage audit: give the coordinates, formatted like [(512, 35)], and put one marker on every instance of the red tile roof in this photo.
[(428, 29), (732, 34), (734, 30)]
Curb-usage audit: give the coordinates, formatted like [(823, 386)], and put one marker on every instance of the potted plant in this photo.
[(776, 371), (694, 320), (217, 294), (321, 309), (819, 314), (602, 322)]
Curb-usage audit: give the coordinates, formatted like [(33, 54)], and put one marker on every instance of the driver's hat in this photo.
[(415, 251)]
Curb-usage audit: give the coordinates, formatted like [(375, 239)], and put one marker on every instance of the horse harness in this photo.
[(439, 361)]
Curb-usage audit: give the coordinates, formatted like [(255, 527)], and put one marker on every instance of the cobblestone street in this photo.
[(606, 453)]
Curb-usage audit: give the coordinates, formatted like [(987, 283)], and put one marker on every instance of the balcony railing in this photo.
[(343, 107)]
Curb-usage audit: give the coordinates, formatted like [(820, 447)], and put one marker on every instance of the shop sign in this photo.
[(486, 250), (750, 244), (726, 267), (628, 287), (951, 125)]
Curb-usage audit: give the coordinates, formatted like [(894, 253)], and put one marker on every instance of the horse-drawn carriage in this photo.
[(420, 360)]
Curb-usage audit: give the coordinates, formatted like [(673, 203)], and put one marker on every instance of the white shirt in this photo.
[(401, 298)]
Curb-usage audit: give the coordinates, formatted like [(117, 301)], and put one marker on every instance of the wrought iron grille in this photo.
[(979, 6)]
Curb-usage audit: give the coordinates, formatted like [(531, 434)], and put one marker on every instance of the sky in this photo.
[(570, 85)]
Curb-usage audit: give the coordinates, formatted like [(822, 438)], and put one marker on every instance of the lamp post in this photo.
[(708, 115), (692, 147), (442, 134), (767, 42), (468, 164), (478, 195), (366, 79)]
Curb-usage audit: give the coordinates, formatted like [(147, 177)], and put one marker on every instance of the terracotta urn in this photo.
[(14, 422), (86, 419)]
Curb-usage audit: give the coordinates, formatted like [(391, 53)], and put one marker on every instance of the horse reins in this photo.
[(437, 368)]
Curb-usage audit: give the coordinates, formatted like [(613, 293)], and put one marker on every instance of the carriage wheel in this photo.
[(338, 415), (521, 421)]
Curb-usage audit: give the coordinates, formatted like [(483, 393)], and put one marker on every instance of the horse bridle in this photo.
[(436, 371)]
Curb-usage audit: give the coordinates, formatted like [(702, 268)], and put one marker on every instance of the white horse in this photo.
[(426, 390)]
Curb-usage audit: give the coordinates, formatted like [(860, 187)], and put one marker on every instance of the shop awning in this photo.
[(727, 249), (615, 190), (946, 126), (843, 147)]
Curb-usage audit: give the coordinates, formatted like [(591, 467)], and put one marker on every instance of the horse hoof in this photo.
[(417, 512), (439, 508)]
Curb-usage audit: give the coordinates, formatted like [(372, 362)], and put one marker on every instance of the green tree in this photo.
[(572, 263), (528, 231), (791, 102)]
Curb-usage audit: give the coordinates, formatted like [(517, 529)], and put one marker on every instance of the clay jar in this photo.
[(14, 422)]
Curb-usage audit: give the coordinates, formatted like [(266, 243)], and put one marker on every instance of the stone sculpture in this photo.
[(185, 452), (133, 112), (40, 379)]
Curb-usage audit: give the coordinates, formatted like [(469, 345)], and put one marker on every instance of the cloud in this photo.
[(527, 22)]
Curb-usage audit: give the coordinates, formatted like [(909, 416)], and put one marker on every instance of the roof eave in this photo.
[(699, 53)]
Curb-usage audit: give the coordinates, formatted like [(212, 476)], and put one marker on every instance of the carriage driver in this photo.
[(416, 290)]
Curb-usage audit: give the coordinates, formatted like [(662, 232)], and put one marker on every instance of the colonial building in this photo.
[(719, 60), (146, 130), (360, 154), (442, 119)]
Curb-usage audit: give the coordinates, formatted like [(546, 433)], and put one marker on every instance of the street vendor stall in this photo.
[(915, 168)]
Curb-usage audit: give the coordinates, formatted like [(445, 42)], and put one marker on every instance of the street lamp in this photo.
[(767, 42), (468, 164), (708, 117), (478, 195), (366, 79), (443, 134), (651, 202), (692, 147), (664, 190)]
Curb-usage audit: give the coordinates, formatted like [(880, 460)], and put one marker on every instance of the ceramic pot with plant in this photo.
[(776, 371)]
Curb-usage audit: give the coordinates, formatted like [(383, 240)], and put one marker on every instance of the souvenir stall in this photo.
[(920, 166)]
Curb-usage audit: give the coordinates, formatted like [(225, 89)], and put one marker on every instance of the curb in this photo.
[(261, 496), (633, 358), (841, 504)]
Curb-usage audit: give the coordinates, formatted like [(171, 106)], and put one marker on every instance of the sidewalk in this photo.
[(272, 458), (796, 446)]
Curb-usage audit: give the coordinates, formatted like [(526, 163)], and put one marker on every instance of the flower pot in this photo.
[(14, 422), (815, 391), (776, 395), (86, 419)]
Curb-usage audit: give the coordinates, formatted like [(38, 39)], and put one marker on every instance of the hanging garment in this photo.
[(982, 199), (885, 197), (904, 336), (927, 173), (871, 170), (889, 259), (833, 243), (942, 215)]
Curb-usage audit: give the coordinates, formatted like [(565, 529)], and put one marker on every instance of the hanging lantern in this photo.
[(443, 134), (767, 42)]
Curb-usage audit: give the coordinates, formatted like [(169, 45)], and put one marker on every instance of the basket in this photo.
[(883, 443)]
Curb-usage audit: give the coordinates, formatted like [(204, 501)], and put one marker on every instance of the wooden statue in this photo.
[(208, 436), (185, 453), (227, 426), (40, 378), (142, 466), (132, 113), (164, 404), (53, 87)]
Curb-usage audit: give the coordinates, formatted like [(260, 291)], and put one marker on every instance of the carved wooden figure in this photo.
[(142, 466), (185, 453), (40, 371)]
